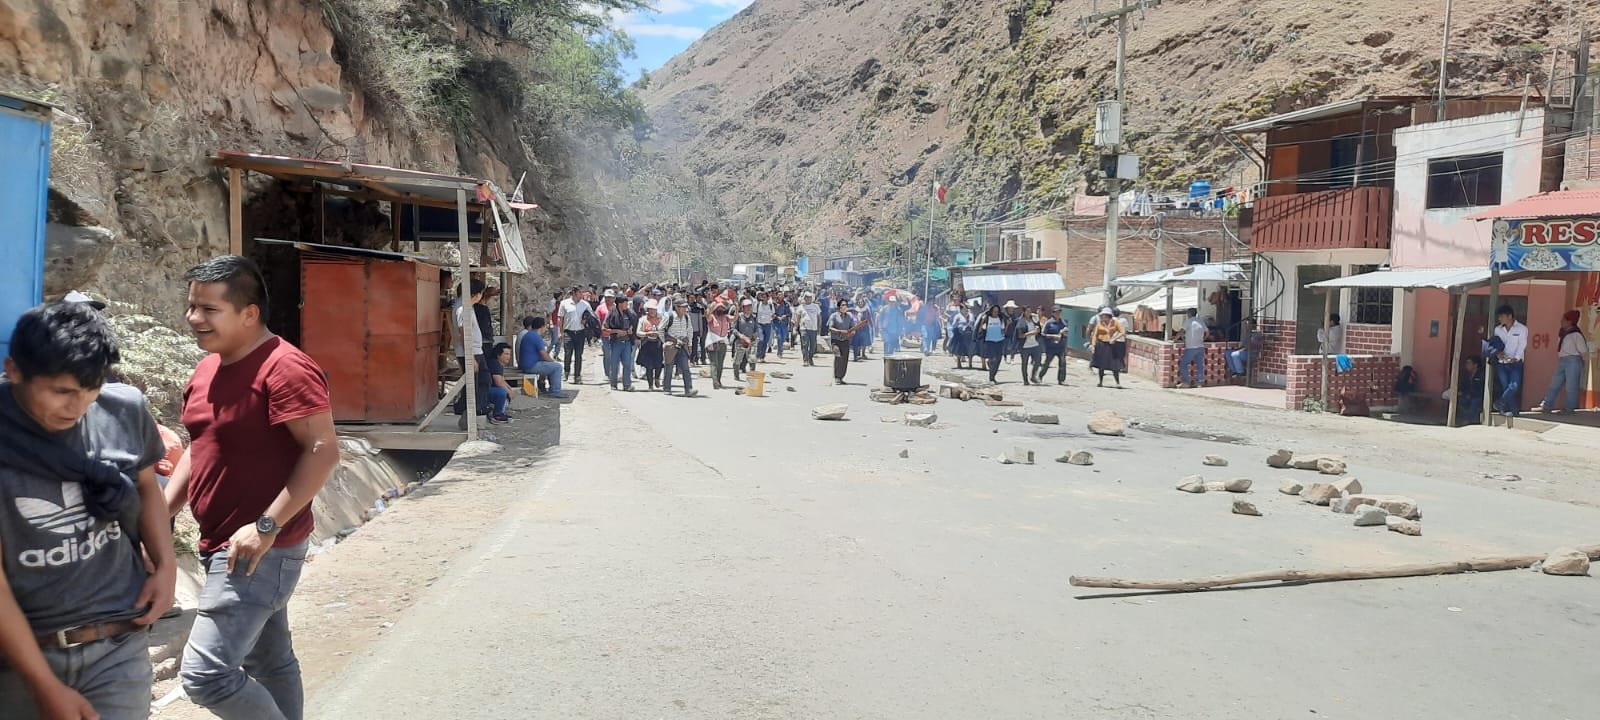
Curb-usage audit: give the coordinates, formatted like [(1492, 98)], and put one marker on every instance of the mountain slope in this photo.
[(812, 121)]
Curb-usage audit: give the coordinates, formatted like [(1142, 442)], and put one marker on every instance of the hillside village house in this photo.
[(1405, 247)]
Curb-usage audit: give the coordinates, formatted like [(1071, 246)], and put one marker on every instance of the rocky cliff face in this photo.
[(151, 90), (815, 120)]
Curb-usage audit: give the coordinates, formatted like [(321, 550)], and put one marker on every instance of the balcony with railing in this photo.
[(1346, 218)]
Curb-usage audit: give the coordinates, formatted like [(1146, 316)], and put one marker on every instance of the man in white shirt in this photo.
[(1572, 354), (1194, 351), (574, 334), (810, 319), (468, 336), (1513, 336), (677, 337), (766, 310)]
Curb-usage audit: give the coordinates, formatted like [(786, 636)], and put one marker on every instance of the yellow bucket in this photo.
[(528, 386), (755, 383)]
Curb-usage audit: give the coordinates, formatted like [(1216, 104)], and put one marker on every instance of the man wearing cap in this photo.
[(746, 333), (621, 325), (677, 335), (809, 319)]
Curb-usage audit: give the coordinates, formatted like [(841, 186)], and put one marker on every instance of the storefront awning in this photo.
[(1207, 272), (1455, 278), (1000, 281), (1558, 204), (1183, 298)]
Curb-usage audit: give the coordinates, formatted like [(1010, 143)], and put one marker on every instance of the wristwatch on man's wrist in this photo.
[(266, 525)]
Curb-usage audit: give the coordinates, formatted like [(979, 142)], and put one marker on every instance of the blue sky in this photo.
[(670, 28)]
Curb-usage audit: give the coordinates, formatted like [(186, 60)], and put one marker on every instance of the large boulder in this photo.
[(1281, 459), (1192, 484), (1290, 487), (1106, 422), (1241, 507), (1403, 526), (1371, 516), (835, 411), (1214, 461), (1237, 485), (1319, 494), (1077, 457), (1566, 561), (1396, 505)]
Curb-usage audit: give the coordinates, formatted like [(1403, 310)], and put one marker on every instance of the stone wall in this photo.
[(1160, 361), (1368, 339)]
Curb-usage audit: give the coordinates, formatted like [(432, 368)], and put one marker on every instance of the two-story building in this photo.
[(1357, 187)]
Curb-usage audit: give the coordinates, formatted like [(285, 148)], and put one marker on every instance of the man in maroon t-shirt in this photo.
[(262, 445)]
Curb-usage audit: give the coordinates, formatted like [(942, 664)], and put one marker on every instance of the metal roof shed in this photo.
[(399, 187)]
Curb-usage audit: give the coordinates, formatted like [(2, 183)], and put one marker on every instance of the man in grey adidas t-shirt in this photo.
[(76, 598)]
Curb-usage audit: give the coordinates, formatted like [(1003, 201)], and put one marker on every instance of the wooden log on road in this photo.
[(1482, 564)]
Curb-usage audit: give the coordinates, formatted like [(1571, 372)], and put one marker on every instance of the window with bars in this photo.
[(1372, 306)]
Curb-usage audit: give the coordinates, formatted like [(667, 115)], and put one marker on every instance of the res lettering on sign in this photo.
[(1560, 232)]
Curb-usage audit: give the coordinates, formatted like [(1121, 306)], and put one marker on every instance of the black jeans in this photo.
[(572, 355), (808, 346), (841, 359), (697, 347), (1031, 357), (1059, 357), (481, 387)]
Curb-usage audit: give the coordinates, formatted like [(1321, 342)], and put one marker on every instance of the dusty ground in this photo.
[(730, 557)]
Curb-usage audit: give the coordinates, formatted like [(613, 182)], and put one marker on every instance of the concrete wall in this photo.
[(1426, 238)]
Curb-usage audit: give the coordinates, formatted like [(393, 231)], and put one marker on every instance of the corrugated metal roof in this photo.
[(1557, 204), (398, 185), (1000, 281), (1411, 279), (1333, 109), (1205, 272)]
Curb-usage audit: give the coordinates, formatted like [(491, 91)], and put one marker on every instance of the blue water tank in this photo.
[(1199, 189), (24, 181)]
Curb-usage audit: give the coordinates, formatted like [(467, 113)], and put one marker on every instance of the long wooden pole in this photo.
[(1494, 319), (235, 211), (1327, 337), (469, 373), (1455, 357), (1481, 564)]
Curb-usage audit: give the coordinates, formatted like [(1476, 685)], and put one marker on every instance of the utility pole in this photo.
[(1444, 62), (1109, 137), (933, 203)]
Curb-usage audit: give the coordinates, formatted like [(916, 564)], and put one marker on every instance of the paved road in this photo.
[(729, 557)]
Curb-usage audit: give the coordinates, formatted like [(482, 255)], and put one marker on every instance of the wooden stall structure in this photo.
[(351, 309)]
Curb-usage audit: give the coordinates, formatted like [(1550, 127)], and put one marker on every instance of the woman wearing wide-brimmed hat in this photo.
[(1103, 338)]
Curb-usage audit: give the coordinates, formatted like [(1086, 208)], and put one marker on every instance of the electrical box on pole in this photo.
[(1119, 167), (1108, 124)]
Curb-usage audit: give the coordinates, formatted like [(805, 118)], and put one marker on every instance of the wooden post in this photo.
[(1455, 357), (235, 211), (1167, 329), (394, 225), (469, 375), (1327, 334), (1488, 371)]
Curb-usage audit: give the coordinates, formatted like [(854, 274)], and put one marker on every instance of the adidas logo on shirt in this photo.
[(70, 519)]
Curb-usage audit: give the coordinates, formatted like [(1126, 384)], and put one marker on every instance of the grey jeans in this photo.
[(114, 675), (240, 661)]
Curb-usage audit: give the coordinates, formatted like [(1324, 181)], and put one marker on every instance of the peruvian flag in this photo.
[(939, 191)]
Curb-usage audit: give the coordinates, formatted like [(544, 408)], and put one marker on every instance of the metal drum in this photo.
[(902, 372)]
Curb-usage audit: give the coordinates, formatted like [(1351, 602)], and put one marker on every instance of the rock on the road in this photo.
[(1403, 526), (1319, 493), (835, 411), (1107, 422), (1192, 484), (1325, 464), (1281, 459), (1037, 418), (1241, 507), (921, 419), (1237, 485), (1017, 456), (1371, 516), (905, 453), (1215, 461), (1397, 505), (1348, 486), (1077, 457), (1290, 487), (1216, 486), (1566, 561)]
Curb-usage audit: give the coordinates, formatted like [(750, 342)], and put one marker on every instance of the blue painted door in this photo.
[(24, 178)]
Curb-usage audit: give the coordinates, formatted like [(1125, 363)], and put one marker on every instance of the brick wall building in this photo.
[(1371, 377), (1582, 167), (1078, 245)]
